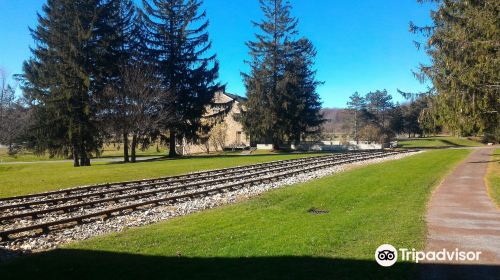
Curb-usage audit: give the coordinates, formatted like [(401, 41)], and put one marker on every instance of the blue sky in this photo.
[(362, 45)]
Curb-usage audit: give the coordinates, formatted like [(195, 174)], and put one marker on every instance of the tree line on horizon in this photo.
[(108, 70), (375, 117)]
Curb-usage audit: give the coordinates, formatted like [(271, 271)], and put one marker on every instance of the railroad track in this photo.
[(34, 214), (81, 192)]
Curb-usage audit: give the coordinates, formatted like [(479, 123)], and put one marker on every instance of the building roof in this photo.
[(236, 97)]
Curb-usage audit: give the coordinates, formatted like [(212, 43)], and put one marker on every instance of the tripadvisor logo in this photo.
[(386, 255)]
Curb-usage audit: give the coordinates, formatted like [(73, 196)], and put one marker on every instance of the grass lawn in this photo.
[(438, 142), (493, 177), (271, 236), (19, 179), (23, 156), (108, 151)]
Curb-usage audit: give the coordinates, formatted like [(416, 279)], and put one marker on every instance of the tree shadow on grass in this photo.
[(485, 161), (82, 264), (423, 146), (118, 156), (446, 143), (451, 144), (230, 156)]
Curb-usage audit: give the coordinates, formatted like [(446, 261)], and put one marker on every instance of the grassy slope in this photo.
[(438, 142), (272, 236), (18, 179), (493, 177)]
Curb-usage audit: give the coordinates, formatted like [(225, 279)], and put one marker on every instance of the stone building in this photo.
[(227, 131)]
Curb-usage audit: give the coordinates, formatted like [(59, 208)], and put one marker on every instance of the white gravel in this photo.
[(153, 214)]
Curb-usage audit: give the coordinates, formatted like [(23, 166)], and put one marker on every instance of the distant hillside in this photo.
[(337, 120)]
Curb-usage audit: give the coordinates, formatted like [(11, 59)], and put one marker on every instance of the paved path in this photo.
[(462, 215)]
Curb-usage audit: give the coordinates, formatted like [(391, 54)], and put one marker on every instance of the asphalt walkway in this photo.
[(462, 216)]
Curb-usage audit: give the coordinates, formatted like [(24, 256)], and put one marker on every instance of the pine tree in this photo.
[(58, 78), (397, 120), (375, 118), (463, 43), (301, 105), (120, 32), (281, 88), (77, 46), (356, 105), (379, 103), (178, 41), (411, 114)]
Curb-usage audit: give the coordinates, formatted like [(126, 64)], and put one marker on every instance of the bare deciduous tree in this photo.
[(218, 136), (133, 108), (6, 95), (13, 115)]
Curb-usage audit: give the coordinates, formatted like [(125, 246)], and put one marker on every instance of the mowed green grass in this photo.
[(23, 156), (19, 179), (438, 142), (493, 177), (107, 152), (272, 236)]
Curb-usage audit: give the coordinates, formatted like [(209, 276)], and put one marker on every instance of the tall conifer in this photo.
[(79, 45), (463, 43), (58, 78), (283, 105), (178, 44)]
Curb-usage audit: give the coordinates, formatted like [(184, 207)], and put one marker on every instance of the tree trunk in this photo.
[(133, 147), (84, 160), (356, 127), (75, 157), (172, 152), (276, 146), (125, 147)]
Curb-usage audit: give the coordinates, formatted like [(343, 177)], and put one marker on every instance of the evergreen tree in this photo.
[(411, 115), (397, 119), (58, 79), (120, 29), (78, 46), (375, 117), (177, 42), (282, 101), (463, 43), (301, 105), (356, 104), (379, 103)]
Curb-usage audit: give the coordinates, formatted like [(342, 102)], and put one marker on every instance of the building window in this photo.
[(238, 138)]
